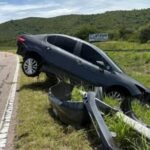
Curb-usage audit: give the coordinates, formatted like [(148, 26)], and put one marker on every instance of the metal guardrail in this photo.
[(90, 109)]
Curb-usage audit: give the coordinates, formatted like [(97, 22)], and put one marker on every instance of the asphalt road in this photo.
[(8, 66)]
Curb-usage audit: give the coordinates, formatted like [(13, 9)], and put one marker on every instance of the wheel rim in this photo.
[(30, 66), (115, 95)]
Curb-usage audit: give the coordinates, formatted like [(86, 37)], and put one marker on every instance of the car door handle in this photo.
[(48, 48)]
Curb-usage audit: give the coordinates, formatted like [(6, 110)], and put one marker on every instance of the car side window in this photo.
[(51, 39), (65, 43), (88, 53)]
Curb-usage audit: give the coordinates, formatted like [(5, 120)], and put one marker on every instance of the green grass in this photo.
[(135, 64), (127, 138), (76, 94), (122, 45), (142, 112), (8, 49), (37, 128)]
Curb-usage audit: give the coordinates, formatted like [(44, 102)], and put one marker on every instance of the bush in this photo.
[(144, 35), (125, 33), (84, 31)]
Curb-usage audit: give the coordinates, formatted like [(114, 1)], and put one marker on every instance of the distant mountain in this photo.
[(110, 22)]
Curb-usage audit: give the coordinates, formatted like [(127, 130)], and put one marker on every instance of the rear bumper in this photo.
[(20, 50)]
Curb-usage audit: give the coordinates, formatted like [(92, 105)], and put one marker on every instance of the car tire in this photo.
[(116, 94), (31, 66)]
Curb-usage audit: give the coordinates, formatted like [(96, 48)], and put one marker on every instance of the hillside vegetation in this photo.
[(124, 25)]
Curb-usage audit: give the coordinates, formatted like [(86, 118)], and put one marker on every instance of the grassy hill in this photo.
[(110, 22)]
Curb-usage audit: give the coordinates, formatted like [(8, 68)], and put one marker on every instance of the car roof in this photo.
[(82, 42), (76, 39)]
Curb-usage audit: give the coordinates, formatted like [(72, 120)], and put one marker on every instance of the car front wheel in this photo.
[(116, 94), (31, 66)]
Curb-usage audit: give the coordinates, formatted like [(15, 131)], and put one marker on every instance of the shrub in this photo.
[(84, 31), (144, 35)]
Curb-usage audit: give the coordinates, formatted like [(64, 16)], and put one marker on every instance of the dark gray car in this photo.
[(66, 56)]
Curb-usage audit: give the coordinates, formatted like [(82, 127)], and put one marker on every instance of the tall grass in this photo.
[(122, 45), (37, 128)]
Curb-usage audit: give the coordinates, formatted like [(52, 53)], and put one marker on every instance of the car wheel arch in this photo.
[(119, 88), (33, 54)]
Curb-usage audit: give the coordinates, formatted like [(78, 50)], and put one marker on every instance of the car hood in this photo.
[(130, 81)]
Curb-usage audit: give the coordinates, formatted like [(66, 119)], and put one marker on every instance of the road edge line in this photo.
[(7, 115)]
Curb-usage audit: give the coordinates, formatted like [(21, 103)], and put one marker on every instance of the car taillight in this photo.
[(20, 39)]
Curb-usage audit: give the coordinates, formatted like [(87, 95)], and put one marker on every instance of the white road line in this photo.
[(6, 118)]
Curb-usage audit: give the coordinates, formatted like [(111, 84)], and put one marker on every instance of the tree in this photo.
[(144, 34), (124, 33), (84, 31)]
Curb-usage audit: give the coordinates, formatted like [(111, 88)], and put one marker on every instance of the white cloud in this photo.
[(8, 8), (47, 8)]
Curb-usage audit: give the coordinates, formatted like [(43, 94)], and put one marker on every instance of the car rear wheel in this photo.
[(31, 66)]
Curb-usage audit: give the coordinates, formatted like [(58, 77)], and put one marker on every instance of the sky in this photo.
[(18, 9)]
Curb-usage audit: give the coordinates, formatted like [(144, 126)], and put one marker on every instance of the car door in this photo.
[(60, 57), (73, 65), (95, 74), (63, 61)]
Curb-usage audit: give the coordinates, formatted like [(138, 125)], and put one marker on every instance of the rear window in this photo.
[(65, 43)]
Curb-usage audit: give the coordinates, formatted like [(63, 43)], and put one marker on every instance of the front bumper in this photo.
[(80, 112), (67, 111)]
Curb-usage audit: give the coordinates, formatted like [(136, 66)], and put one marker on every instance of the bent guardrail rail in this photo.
[(80, 113), (98, 122)]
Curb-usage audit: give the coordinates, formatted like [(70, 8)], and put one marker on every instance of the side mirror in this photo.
[(101, 64)]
